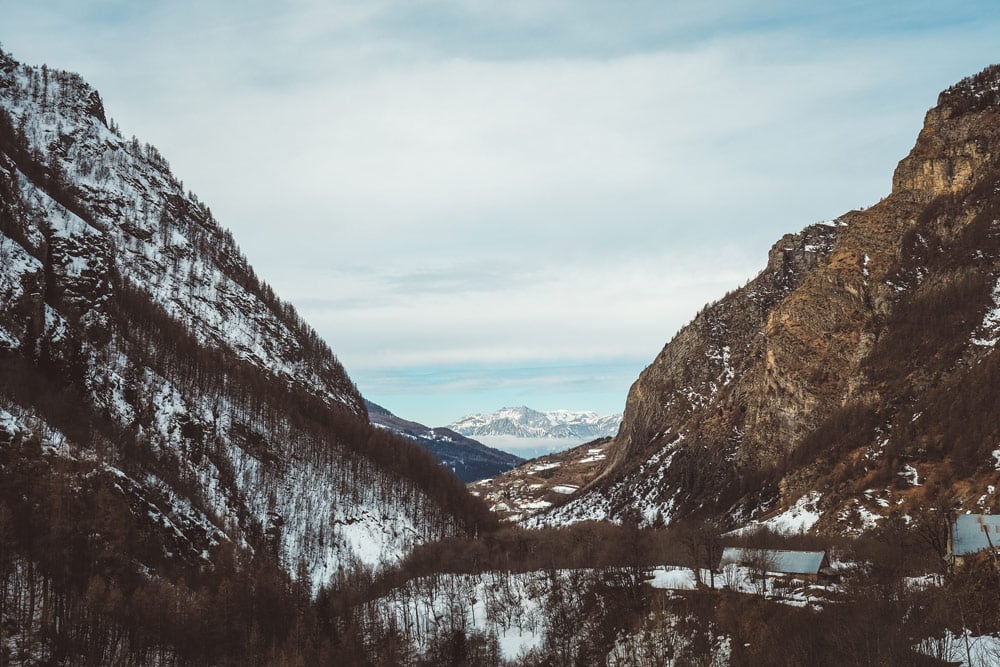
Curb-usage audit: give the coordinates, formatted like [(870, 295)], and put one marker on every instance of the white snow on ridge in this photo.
[(523, 422), (644, 491), (910, 474), (798, 518), (164, 239), (17, 269), (320, 503)]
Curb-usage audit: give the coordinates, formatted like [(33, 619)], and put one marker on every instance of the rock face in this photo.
[(834, 369), (137, 343)]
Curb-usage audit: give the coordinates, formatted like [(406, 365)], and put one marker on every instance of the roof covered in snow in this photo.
[(974, 532), (777, 560)]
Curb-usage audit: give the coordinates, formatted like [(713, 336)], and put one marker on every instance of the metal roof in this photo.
[(778, 560), (974, 532)]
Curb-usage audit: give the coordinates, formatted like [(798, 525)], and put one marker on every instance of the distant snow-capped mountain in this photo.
[(469, 459), (523, 422)]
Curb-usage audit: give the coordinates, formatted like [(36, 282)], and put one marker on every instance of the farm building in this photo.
[(805, 565), (972, 533)]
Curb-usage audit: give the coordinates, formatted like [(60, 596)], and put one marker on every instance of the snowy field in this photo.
[(967, 650)]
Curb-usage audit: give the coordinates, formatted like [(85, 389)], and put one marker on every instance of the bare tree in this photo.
[(703, 543), (759, 561), (931, 526)]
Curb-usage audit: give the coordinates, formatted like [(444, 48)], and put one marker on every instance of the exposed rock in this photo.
[(727, 418)]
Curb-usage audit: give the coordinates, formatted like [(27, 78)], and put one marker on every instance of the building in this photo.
[(972, 533), (805, 565)]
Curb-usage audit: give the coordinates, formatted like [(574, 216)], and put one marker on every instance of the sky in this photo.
[(488, 204)]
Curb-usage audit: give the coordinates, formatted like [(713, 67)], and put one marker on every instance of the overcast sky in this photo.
[(481, 204)]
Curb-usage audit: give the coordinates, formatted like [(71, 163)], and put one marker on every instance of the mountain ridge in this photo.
[(524, 422), (469, 459), (137, 341), (812, 376)]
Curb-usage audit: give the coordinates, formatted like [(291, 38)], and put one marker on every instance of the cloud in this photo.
[(443, 394), (561, 313), (513, 185), (465, 158)]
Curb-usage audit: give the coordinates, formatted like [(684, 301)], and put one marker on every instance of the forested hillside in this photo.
[(172, 434)]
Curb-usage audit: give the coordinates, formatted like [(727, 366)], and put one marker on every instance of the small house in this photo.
[(972, 533), (790, 564)]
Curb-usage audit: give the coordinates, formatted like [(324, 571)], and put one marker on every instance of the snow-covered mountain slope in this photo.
[(538, 484), (523, 422), (469, 459), (135, 338)]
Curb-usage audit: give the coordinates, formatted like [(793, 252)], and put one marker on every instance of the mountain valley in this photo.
[(189, 476), (469, 459)]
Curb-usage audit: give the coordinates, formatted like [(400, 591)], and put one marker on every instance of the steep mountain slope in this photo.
[(523, 422), (468, 459), (137, 343), (538, 484), (860, 364)]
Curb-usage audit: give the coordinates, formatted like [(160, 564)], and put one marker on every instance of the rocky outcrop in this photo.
[(957, 144), (728, 418)]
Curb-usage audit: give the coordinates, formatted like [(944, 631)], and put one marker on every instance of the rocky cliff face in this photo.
[(821, 373)]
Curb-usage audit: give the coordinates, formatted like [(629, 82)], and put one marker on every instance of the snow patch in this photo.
[(798, 518), (989, 330), (673, 578), (958, 649), (909, 473)]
